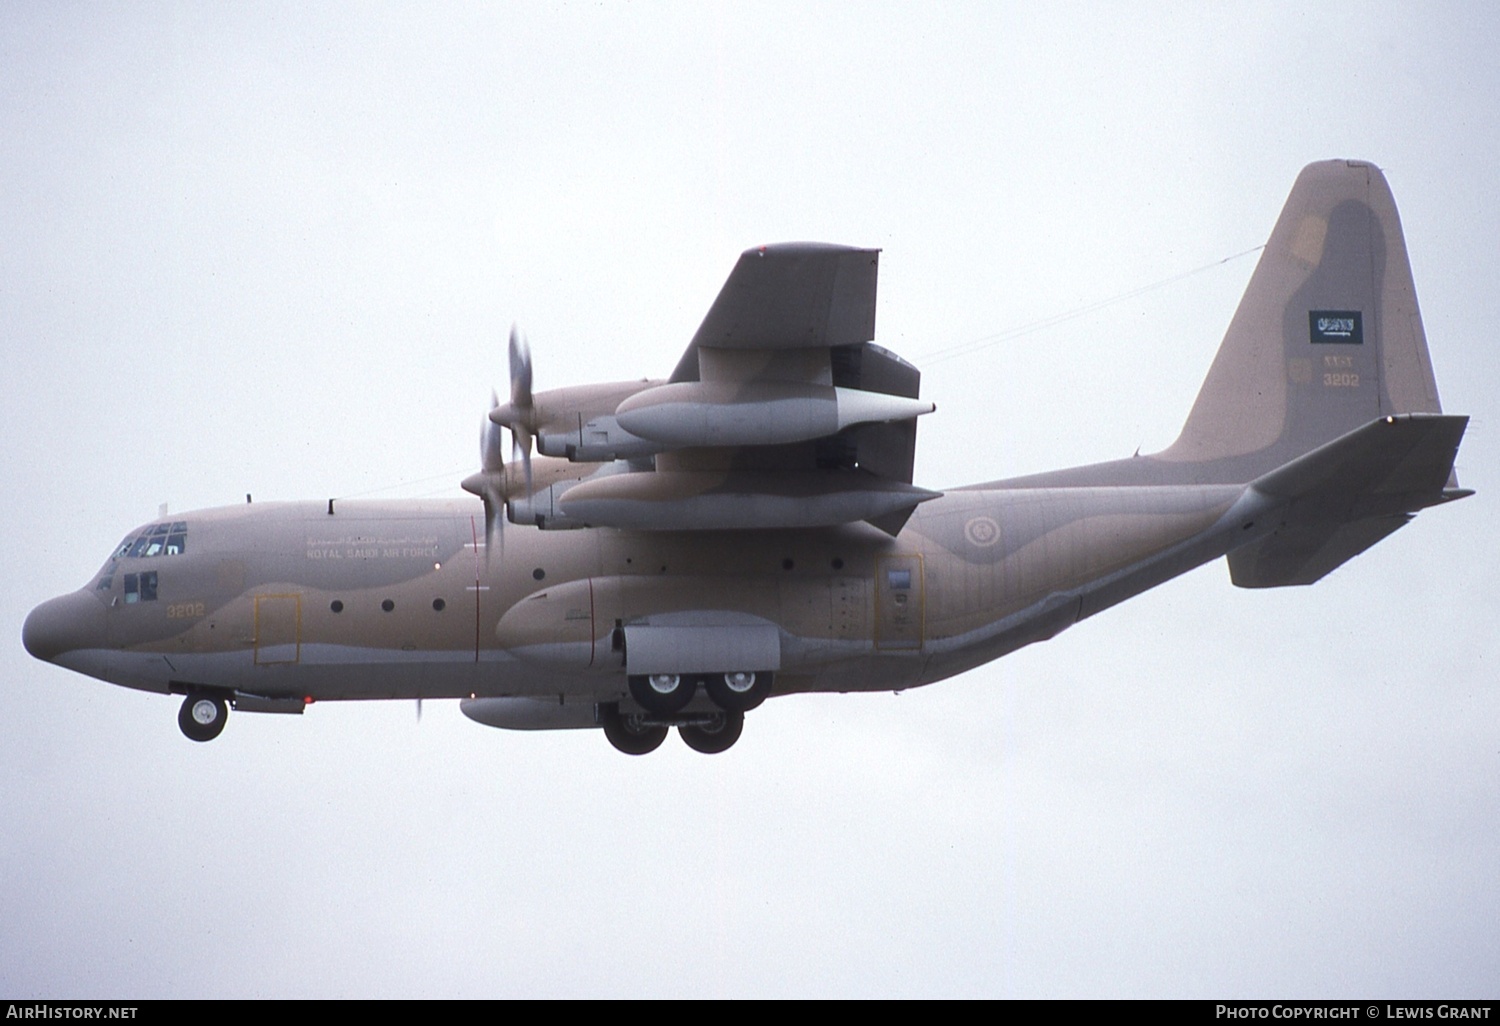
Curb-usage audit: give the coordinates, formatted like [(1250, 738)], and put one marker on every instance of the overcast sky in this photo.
[(253, 248)]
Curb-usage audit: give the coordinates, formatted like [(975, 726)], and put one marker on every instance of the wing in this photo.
[(796, 295), (782, 413)]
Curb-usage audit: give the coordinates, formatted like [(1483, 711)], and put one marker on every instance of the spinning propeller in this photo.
[(519, 416)]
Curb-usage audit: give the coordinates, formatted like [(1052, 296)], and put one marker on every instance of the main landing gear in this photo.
[(663, 693), (738, 692), (202, 717), (714, 735), (631, 733), (664, 697), (667, 693)]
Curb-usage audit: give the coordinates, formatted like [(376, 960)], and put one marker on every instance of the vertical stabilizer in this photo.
[(1327, 338)]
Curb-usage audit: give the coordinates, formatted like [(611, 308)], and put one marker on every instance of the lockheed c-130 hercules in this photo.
[(682, 549)]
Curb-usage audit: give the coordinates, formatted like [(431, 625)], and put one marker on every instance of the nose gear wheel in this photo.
[(202, 717)]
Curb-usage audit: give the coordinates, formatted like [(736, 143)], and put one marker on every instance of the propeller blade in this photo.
[(520, 371), (521, 424), (495, 483), (491, 441), (494, 523), (521, 451)]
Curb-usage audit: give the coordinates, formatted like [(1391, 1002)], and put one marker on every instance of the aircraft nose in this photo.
[(64, 624)]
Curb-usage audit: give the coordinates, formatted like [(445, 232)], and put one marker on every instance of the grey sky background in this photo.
[(256, 248)]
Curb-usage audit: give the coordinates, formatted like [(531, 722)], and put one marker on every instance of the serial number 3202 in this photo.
[(184, 610), (1338, 372)]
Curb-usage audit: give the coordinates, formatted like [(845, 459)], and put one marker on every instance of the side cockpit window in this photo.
[(140, 587), (157, 540)]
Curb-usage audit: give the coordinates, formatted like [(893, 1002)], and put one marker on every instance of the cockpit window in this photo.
[(140, 587), (157, 540)]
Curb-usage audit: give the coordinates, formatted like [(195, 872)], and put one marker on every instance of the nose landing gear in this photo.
[(202, 717)]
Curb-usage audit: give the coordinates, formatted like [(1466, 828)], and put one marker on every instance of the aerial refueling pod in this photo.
[(729, 413)]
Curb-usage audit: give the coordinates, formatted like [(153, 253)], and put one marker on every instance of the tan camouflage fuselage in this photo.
[(402, 599)]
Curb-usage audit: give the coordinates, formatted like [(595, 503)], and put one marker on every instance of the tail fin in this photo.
[(1322, 393), (1321, 399), (1327, 338)]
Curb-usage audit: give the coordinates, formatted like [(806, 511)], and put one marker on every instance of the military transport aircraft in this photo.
[(682, 549)]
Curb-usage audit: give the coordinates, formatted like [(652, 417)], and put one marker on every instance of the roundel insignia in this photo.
[(982, 531)]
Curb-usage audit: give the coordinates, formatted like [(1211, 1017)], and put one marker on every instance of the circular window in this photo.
[(538, 574), (387, 605), (336, 606), (439, 605)]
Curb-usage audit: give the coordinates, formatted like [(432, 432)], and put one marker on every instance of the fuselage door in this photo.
[(278, 629), (900, 603)]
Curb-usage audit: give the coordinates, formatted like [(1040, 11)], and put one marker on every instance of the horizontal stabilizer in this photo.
[(1307, 553), (1345, 496), (1408, 458)]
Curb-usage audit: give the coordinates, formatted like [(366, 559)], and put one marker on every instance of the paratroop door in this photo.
[(900, 601), (278, 629)]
